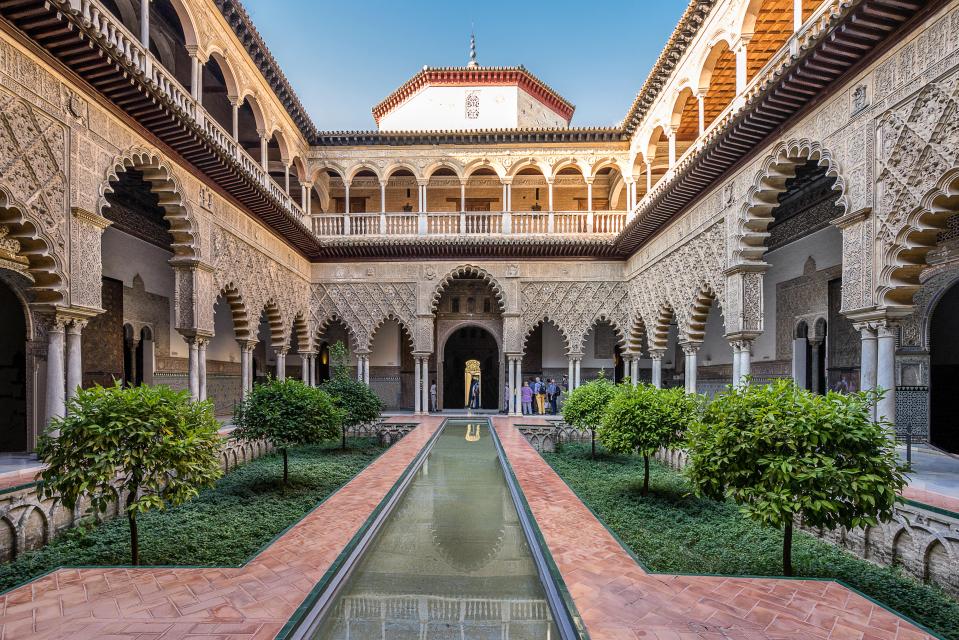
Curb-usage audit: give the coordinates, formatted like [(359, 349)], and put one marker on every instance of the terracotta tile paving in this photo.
[(618, 600), (932, 498), (248, 603)]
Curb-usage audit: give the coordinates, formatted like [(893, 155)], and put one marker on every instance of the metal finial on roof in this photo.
[(472, 63)]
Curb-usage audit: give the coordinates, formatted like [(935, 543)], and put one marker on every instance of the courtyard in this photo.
[(339, 321)]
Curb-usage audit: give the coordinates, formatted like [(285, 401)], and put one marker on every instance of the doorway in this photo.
[(465, 344), (944, 372)]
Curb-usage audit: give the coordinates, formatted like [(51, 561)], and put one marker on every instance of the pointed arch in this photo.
[(658, 337), (698, 313), (546, 320), (618, 330), (463, 272), (904, 251), (405, 328), (637, 334), (44, 262), (749, 242), (238, 310), (274, 319), (164, 183), (335, 318)]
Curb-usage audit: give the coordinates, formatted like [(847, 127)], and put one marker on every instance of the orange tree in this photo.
[(782, 452), (149, 446)]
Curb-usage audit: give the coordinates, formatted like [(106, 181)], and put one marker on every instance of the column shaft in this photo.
[(55, 395), (657, 370), (74, 358), (244, 371), (194, 365), (417, 383), (201, 367), (425, 386), (886, 372)]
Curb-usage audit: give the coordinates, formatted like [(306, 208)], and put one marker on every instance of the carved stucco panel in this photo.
[(575, 307), (364, 306), (258, 278)]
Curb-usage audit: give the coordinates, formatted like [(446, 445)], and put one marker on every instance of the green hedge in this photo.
[(223, 526), (672, 532)]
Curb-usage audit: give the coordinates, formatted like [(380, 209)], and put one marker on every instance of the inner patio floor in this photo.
[(616, 598)]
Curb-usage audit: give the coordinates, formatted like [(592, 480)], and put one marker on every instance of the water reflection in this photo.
[(451, 561)]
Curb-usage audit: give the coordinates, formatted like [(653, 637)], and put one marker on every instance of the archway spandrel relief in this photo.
[(257, 278), (575, 306), (363, 306), (678, 278)]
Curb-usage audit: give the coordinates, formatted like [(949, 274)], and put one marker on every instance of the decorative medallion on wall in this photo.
[(472, 105)]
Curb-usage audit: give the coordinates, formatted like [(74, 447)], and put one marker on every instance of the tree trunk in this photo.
[(343, 431), (592, 443), (788, 549), (645, 475), (134, 539), (286, 468)]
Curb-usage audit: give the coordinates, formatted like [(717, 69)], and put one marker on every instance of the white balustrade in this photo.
[(113, 35), (469, 223)]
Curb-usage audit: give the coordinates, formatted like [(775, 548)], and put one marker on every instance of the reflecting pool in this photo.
[(451, 561)]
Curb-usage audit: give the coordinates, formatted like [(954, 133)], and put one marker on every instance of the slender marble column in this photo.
[(745, 359), (244, 370), (657, 357), (690, 349), (571, 376), (417, 384), (74, 358), (886, 371), (201, 365), (305, 368), (194, 364), (736, 362), (281, 363), (55, 404), (511, 385), (579, 362), (145, 24), (425, 402), (366, 370)]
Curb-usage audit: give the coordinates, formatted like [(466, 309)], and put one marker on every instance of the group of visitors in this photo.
[(539, 397)]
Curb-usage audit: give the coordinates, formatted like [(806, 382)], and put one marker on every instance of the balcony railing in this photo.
[(436, 223), (114, 36)]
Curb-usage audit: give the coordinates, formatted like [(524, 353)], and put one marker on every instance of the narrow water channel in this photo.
[(451, 562)]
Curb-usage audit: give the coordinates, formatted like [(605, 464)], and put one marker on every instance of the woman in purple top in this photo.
[(527, 397)]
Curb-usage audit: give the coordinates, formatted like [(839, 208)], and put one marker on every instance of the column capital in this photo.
[(76, 325), (247, 344), (690, 347), (281, 351)]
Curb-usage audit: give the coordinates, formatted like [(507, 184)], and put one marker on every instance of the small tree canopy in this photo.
[(586, 404), (149, 444), (287, 413), (359, 403), (643, 418), (781, 452)]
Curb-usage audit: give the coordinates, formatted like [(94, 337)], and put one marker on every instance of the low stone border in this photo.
[(29, 521), (923, 540)]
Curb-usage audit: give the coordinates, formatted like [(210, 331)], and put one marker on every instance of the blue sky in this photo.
[(344, 57)]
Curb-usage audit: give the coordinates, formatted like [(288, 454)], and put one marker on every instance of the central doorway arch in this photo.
[(944, 372), (466, 343), (13, 373)]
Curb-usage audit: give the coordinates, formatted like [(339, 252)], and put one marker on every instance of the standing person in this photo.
[(526, 394), (552, 395), (475, 395), (539, 389), (433, 396), (565, 383)]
